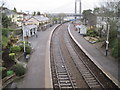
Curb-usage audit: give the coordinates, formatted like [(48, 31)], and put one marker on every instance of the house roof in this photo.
[(21, 13), (41, 18), (8, 12), (30, 26)]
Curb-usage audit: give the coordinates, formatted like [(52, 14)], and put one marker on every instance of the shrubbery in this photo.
[(12, 56), (19, 69), (115, 48), (15, 49), (3, 72), (92, 33), (27, 48)]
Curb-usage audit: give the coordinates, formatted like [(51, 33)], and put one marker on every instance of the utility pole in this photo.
[(23, 37), (107, 41)]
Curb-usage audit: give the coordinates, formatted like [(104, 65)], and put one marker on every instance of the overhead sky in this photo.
[(48, 6)]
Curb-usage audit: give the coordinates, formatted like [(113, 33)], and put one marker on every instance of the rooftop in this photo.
[(41, 18), (30, 26)]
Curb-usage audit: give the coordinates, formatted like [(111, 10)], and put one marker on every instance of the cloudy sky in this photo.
[(54, 6)]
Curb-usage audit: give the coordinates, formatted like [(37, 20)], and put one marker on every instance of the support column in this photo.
[(80, 7), (75, 8)]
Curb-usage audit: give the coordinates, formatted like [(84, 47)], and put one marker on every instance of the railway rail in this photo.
[(64, 79), (61, 73), (87, 74)]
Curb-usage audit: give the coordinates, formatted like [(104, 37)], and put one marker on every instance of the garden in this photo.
[(12, 50)]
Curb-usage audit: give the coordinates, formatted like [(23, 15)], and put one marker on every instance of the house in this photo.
[(8, 12), (41, 21), (29, 30), (83, 29), (16, 17)]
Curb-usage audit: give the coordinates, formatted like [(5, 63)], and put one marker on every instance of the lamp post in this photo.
[(23, 37), (24, 41), (107, 41)]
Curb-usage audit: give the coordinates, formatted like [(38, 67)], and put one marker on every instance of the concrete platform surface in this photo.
[(39, 74), (107, 64)]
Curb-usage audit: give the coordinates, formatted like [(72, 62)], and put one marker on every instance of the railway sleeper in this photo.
[(93, 83), (88, 76), (64, 81), (61, 78), (65, 84), (66, 87), (62, 73), (86, 72), (88, 80)]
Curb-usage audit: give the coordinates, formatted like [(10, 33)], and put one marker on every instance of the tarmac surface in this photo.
[(107, 64), (35, 76)]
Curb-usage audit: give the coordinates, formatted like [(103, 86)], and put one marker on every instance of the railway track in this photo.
[(87, 74), (61, 72)]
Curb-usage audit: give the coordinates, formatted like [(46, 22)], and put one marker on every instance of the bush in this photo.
[(19, 69), (115, 49), (92, 33), (21, 47), (3, 72), (26, 42), (27, 48), (15, 49), (10, 72), (12, 56)]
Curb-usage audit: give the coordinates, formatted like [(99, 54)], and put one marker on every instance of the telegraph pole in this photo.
[(23, 37), (107, 41)]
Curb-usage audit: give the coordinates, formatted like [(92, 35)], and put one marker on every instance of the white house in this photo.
[(41, 21), (82, 29), (29, 30)]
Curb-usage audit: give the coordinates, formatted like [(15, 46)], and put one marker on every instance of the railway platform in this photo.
[(39, 74), (108, 65)]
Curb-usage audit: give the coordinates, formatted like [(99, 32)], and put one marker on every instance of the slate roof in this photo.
[(30, 26), (41, 18)]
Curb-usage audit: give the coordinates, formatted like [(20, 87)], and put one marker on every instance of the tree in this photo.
[(5, 21), (19, 69), (91, 17), (110, 10), (15, 10), (96, 11), (38, 13), (34, 13)]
